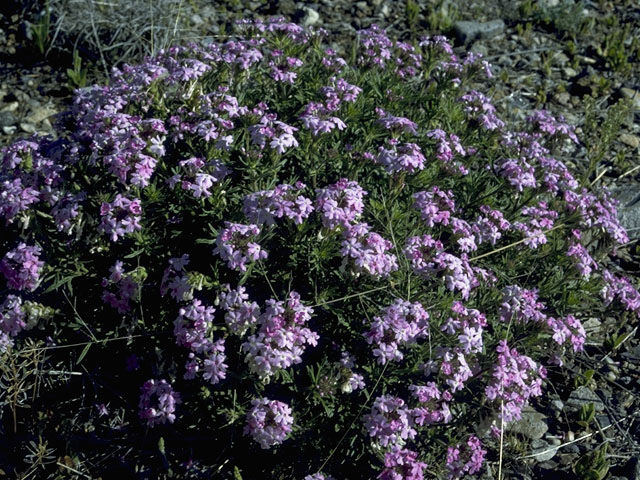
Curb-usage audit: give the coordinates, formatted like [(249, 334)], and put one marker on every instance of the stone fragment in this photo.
[(309, 16), (532, 425), (583, 396), (628, 139), (467, 32), (38, 114), (634, 95), (629, 208), (543, 450), (27, 127), (7, 119)]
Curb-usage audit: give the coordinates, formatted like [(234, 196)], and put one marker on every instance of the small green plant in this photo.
[(442, 17), (586, 414), (593, 465), (600, 134), (412, 10), (77, 75), (41, 29), (616, 51)]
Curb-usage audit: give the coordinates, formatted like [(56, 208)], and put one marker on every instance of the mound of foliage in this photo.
[(268, 261)]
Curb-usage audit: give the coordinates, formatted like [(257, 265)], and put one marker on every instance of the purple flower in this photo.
[(516, 378), (402, 323), (540, 218), (22, 267), (402, 464), (405, 157), (175, 280), (465, 459), (396, 124), (340, 204), (236, 245), (120, 217), (12, 320), (366, 251), (390, 421), (281, 338), (580, 256), (434, 205), (269, 422), (158, 402), (128, 289), (241, 314), (283, 201)]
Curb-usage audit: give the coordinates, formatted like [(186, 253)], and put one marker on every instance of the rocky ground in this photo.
[(578, 60)]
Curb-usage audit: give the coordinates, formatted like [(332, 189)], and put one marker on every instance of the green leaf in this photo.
[(84, 352), (236, 474)]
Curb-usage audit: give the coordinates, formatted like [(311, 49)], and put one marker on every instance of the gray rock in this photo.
[(38, 114), (629, 209), (632, 140), (557, 405), (634, 95), (543, 450), (582, 396), (10, 107), (569, 72), (7, 119), (309, 16), (9, 130), (532, 425), (27, 127), (548, 3), (467, 32), (561, 59)]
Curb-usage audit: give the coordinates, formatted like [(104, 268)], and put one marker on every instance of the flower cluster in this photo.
[(540, 218), (516, 378), (400, 157), (396, 124), (340, 204), (192, 329), (236, 244), (402, 464), (281, 338), (544, 121), (158, 402), (480, 109), (128, 289), (465, 459), (367, 251), (428, 259), (120, 217), (580, 256), (448, 147), (269, 422), (390, 421), (175, 280), (489, 226), (401, 323), (12, 320), (240, 313), (434, 205), (22, 267), (283, 201), (279, 134), (620, 288), (194, 177), (468, 324), (433, 406), (318, 118)]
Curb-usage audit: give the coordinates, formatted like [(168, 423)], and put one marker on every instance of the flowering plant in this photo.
[(361, 258)]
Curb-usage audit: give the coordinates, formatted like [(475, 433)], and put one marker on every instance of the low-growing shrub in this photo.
[(286, 266)]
